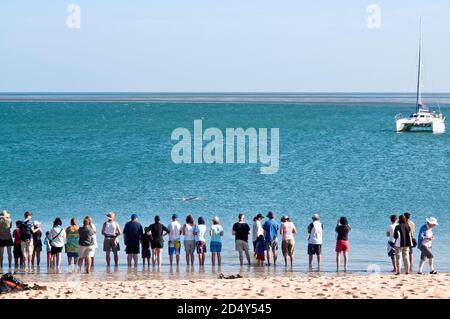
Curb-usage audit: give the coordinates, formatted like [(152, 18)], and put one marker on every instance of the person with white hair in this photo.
[(424, 242)]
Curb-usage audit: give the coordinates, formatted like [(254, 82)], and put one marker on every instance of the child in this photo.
[(48, 248), (17, 248), (260, 249), (145, 240)]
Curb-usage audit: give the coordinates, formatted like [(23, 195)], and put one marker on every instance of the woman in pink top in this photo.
[(287, 231)]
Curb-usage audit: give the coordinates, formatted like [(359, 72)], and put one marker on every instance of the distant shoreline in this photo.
[(224, 98)]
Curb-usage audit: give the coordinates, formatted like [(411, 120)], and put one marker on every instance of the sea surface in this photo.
[(74, 154)]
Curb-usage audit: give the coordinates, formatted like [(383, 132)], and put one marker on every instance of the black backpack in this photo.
[(25, 231)]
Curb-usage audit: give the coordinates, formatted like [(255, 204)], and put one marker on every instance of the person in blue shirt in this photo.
[(132, 233), (271, 228), (424, 241)]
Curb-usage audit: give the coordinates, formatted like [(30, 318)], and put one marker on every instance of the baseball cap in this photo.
[(259, 216), (134, 216), (315, 216), (174, 216), (270, 215)]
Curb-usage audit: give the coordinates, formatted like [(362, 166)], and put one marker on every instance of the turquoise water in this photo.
[(73, 155)]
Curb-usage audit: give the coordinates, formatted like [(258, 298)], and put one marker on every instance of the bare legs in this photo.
[(131, 257), (87, 262), (241, 257), (311, 261), (8, 250), (156, 257), (190, 259), (338, 262), (213, 259)]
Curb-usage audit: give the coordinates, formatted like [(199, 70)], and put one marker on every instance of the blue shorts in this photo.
[(174, 247), (72, 255), (215, 247)]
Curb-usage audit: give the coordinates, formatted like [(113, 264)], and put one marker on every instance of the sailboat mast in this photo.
[(419, 93)]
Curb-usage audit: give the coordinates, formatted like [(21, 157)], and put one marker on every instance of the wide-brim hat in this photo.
[(111, 215), (432, 221)]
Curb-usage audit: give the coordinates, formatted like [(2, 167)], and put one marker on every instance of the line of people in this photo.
[(80, 243)]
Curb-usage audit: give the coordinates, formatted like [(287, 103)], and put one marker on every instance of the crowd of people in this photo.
[(26, 242)]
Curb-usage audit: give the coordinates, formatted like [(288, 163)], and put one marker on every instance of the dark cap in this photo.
[(259, 216), (270, 215)]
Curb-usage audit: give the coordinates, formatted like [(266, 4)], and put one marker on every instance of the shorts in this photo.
[(146, 253), (6, 242), (342, 246), (132, 250), (189, 246), (411, 250), (111, 244), (287, 247), (56, 250), (27, 248), (201, 247), (156, 244), (72, 255), (260, 257), (215, 247), (314, 249), (425, 253), (86, 251), (17, 251), (241, 245), (174, 247), (273, 245), (391, 254)]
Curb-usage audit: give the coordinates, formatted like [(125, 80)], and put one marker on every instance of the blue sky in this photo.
[(222, 45)]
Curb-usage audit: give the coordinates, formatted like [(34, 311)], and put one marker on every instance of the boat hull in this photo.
[(437, 126)]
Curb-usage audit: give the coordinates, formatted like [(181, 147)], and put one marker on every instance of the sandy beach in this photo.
[(353, 286)]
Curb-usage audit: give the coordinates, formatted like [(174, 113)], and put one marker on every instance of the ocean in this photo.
[(70, 155)]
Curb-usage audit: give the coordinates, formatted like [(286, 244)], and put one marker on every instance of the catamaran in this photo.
[(423, 118)]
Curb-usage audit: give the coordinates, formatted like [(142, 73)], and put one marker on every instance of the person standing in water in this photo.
[(5, 237), (110, 231), (257, 230), (158, 231), (200, 240), (215, 247), (241, 230), (174, 240), (189, 240), (132, 233), (72, 239), (271, 228), (342, 244), (424, 242), (315, 231), (287, 232)]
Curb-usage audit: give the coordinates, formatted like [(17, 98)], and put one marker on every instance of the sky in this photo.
[(222, 46)]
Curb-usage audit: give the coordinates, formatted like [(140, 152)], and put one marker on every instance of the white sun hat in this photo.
[(432, 221)]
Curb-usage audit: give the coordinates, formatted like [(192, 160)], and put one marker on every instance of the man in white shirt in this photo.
[(174, 240), (315, 231), (391, 241)]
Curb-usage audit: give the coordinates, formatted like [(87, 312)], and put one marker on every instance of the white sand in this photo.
[(297, 286)]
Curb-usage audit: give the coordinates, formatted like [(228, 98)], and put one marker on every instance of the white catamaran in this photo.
[(423, 118)]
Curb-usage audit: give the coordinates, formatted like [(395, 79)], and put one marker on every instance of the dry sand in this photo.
[(296, 286)]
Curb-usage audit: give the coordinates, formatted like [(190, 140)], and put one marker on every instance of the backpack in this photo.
[(25, 231), (10, 283)]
